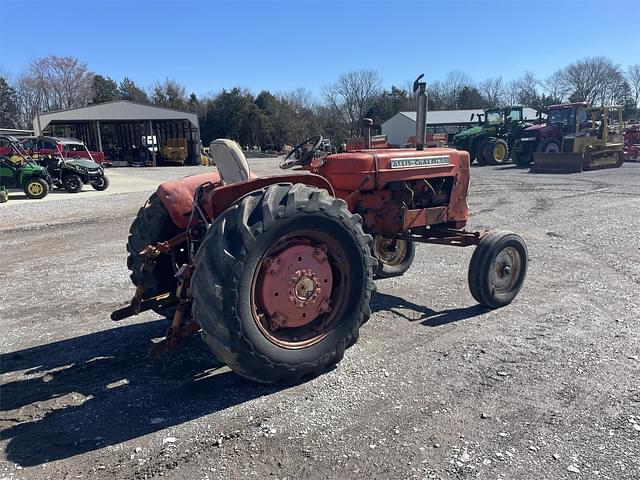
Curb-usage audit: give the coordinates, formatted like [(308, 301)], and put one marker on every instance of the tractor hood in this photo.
[(541, 129), (469, 132), (83, 163), (536, 128)]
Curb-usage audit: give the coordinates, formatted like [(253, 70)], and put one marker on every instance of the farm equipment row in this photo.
[(277, 272), (38, 176), (573, 138), (583, 143), (492, 140)]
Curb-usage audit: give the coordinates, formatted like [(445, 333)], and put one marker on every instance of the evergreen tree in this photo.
[(9, 113), (130, 91), (104, 89)]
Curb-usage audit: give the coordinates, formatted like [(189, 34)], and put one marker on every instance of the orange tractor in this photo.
[(277, 272)]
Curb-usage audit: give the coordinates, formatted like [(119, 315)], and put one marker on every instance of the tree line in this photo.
[(272, 119)]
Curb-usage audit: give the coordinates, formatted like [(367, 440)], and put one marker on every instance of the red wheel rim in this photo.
[(300, 289)]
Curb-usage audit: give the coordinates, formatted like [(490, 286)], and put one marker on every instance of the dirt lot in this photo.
[(437, 387)]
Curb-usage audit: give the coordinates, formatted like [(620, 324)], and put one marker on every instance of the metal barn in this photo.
[(120, 130)]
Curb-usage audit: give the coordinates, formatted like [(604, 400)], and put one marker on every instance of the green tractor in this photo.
[(491, 140), (19, 170)]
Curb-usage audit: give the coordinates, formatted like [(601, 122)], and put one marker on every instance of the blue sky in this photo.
[(282, 45)]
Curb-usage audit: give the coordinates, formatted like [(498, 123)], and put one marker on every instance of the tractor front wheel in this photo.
[(282, 283), (394, 256), (72, 183), (497, 269)]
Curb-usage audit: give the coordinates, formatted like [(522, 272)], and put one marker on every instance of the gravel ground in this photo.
[(437, 387)]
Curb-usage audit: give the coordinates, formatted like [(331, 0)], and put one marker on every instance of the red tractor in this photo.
[(277, 272)]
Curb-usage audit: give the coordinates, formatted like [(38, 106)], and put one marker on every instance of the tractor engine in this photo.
[(383, 210), (399, 190)]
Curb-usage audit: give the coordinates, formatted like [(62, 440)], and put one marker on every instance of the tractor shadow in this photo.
[(82, 394), (17, 196), (511, 166), (381, 302)]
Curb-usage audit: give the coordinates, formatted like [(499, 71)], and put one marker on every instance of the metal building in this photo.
[(121, 129), (15, 132), (402, 125)]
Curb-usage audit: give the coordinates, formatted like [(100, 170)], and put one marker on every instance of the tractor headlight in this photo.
[(528, 139)]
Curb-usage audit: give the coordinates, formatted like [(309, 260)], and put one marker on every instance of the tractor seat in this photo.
[(231, 162)]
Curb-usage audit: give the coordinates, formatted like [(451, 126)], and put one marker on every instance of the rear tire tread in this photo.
[(253, 215)]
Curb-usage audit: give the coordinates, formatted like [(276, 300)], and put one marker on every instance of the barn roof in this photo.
[(119, 110)]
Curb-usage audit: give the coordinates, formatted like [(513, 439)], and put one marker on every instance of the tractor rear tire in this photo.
[(479, 152), (498, 268), (72, 183), (392, 263), (152, 225), (230, 284), (101, 184), (496, 152), (36, 188)]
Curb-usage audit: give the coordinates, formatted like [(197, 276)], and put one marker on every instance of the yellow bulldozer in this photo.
[(596, 144), (175, 150)]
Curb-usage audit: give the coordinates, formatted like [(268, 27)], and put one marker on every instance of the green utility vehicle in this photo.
[(73, 174), (491, 140), (19, 170)]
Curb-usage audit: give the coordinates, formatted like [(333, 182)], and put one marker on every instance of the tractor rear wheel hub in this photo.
[(296, 292)]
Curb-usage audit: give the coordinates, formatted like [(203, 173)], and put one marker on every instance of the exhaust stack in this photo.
[(367, 123), (420, 90)]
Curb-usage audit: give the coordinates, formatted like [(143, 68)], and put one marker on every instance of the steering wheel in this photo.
[(301, 156)]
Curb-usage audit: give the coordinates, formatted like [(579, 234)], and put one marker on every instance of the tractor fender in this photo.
[(219, 199), (177, 195)]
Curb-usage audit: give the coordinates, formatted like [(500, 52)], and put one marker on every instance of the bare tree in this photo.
[(302, 113), (31, 99), (616, 91), (633, 79), (352, 95), (511, 93), (453, 84), (555, 87), (437, 96), (61, 82), (593, 80), (493, 90), (528, 89)]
